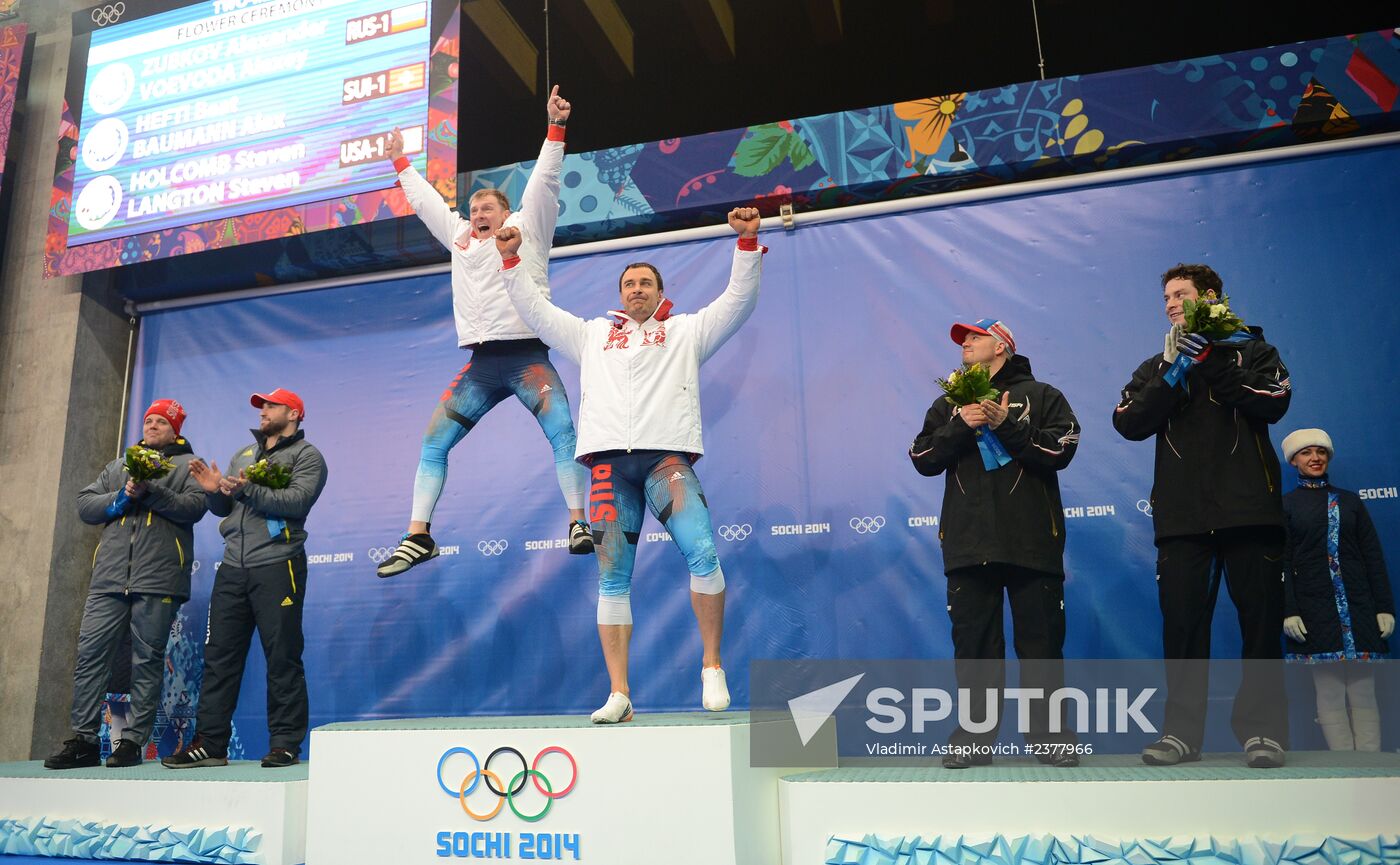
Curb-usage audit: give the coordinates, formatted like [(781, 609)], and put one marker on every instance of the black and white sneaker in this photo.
[(1058, 759), (412, 550), (197, 754), (76, 754), (580, 539), (1261, 752), (963, 758), (1168, 751), (277, 758), (127, 753)]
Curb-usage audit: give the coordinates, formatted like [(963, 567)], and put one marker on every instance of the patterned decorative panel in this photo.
[(12, 45), (1270, 97), (1086, 850), (78, 839)]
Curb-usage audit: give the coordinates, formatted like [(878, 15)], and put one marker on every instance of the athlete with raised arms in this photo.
[(507, 356), (639, 431)]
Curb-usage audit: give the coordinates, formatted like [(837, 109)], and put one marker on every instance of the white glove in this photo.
[(1169, 348), (1387, 624), (1293, 627)]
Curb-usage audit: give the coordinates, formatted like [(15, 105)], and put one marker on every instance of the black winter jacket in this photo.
[(1215, 467), (1308, 590), (1013, 515)]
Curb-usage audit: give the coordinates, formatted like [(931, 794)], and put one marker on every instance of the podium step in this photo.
[(235, 814), (667, 787), (909, 816)]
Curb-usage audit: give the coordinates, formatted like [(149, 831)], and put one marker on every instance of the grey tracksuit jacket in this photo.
[(248, 538), (148, 547)]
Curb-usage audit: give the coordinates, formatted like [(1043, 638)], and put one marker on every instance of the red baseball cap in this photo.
[(168, 409), (987, 327), (281, 396)]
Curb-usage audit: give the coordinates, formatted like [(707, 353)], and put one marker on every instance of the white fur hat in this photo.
[(1306, 438)]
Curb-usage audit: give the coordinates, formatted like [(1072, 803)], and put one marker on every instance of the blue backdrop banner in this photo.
[(828, 537)]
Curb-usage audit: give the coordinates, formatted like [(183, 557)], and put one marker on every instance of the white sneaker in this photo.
[(617, 710), (715, 693)]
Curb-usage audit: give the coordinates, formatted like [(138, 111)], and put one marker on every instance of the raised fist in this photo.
[(393, 145), (557, 106), (508, 240), (744, 221)]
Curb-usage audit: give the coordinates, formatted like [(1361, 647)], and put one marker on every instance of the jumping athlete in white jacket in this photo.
[(507, 357), (639, 431)]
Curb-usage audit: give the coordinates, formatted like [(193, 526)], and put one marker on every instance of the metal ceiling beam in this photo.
[(500, 43), (713, 21), (602, 28)]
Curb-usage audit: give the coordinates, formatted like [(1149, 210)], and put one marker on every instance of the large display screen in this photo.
[(231, 106), (199, 125)]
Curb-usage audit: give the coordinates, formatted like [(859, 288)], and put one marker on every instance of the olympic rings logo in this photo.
[(867, 525), (506, 793), (379, 555), (194, 566), (735, 533), (1145, 506), (492, 547), (109, 14)]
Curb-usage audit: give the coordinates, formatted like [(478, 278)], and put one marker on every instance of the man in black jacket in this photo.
[(140, 577), (260, 585), (1216, 508), (1003, 531)]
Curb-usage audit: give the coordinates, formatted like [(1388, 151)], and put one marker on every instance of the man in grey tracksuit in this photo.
[(261, 585), (140, 577)]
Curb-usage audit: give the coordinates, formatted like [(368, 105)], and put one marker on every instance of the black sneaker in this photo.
[(278, 758), (412, 550), (197, 754), (965, 760), (1261, 752), (1168, 751), (76, 754), (127, 753), (1058, 760), (580, 539)]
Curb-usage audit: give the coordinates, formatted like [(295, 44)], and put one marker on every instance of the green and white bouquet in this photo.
[(1211, 317), (145, 464), (266, 473), (969, 386)]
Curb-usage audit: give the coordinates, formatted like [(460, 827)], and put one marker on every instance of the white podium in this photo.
[(663, 788)]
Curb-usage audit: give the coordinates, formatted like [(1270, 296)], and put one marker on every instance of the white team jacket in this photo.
[(640, 382), (479, 303)]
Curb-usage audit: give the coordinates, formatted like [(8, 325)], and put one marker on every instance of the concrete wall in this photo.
[(63, 354)]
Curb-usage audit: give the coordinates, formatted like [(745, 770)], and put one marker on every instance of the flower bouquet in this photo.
[(145, 464), (268, 474), (969, 386), (1211, 317)]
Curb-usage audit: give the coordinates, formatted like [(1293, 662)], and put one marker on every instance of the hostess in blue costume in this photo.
[(1338, 606)]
